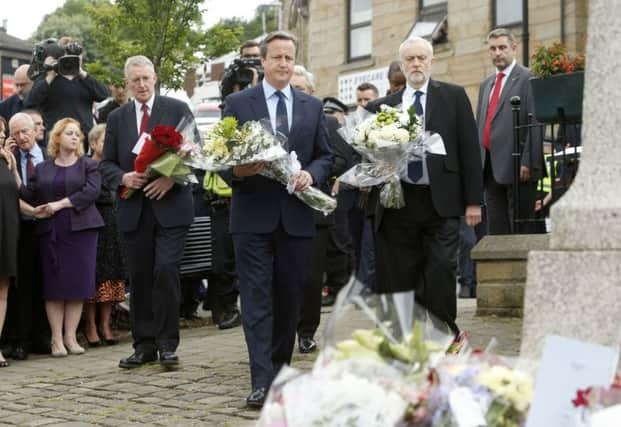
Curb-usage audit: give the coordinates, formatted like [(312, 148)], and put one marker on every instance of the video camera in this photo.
[(68, 58), (240, 73)]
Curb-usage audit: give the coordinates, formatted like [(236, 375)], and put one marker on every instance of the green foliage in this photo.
[(220, 40), (163, 30), (253, 28), (71, 20), (548, 61)]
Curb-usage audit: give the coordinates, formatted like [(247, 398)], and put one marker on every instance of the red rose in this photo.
[(166, 136)]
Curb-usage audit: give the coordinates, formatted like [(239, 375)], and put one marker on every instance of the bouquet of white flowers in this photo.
[(388, 140), (363, 377), (284, 169), (226, 145)]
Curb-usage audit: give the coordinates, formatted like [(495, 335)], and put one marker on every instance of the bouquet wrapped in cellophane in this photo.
[(388, 141), (228, 145), (373, 368), (284, 169), (161, 154)]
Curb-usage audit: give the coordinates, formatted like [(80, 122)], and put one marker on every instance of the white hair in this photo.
[(415, 40), (17, 117), (308, 76), (137, 61)]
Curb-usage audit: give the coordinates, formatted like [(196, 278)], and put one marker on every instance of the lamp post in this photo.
[(525, 35), (264, 7)]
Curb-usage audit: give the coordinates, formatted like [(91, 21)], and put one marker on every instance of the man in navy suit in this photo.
[(153, 222), (272, 229)]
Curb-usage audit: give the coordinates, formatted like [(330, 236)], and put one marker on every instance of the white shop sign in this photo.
[(347, 83)]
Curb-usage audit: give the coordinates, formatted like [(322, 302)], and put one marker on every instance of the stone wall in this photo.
[(462, 60)]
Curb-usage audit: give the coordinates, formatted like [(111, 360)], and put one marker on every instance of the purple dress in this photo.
[(67, 257)]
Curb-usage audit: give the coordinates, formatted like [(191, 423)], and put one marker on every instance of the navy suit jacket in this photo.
[(176, 207), (259, 204), (82, 187)]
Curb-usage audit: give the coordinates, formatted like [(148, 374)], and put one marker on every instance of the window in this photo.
[(359, 28), (432, 21), (507, 13)]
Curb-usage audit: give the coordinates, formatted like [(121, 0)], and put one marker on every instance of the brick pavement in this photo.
[(208, 390)]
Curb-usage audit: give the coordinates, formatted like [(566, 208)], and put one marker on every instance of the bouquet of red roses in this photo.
[(159, 156)]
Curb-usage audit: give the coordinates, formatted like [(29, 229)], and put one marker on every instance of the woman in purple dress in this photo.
[(68, 185)]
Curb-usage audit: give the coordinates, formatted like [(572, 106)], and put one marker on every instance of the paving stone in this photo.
[(209, 390)]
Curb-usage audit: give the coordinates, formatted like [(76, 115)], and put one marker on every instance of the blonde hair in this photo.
[(53, 145), (96, 132)]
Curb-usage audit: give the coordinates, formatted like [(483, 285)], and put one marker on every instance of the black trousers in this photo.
[(416, 249), (154, 253), (222, 291), (499, 204), (26, 322), (341, 256), (272, 269), (310, 313)]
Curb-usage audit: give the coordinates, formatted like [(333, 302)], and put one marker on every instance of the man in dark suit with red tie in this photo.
[(416, 246), (495, 124), (272, 229), (153, 222)]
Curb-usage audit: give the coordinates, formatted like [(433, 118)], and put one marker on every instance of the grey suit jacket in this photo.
[(501, 131)]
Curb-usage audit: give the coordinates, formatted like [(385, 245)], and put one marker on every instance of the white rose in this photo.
[(402, 135), (375, 135)]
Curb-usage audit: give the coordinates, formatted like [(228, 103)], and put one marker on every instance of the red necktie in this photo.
[(29, 166), (144, 123), (491, 109)]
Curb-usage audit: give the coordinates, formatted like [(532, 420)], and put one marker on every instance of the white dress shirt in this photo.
[(409, 95), (138, 108), (271, 100)]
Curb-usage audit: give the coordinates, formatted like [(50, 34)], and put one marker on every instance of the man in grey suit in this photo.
[(495, 123)]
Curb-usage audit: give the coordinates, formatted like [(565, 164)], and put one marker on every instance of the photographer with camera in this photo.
[(61, 87), (245, 71)]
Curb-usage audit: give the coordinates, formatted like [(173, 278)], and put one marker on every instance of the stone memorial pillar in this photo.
[(574, 288)]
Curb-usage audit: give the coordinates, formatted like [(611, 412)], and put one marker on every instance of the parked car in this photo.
[(207, 114)]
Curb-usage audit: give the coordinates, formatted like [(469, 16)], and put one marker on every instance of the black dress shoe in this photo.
[(111, 341), (19, 353), (230, 319), (137, 359), (168, 358), (307, 344), (256, 399)]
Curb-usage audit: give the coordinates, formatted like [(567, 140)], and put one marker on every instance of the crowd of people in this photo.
[(72, 248)]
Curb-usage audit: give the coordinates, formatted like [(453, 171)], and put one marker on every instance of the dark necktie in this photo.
[(491, 109), (415, 168), (144, 123), (29, 166), (282, 121)]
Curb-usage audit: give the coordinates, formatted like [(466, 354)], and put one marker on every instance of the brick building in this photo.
[(13, 53), (350, 41)]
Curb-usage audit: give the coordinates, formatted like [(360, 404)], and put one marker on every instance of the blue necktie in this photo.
[(415, 168), (282, 121)]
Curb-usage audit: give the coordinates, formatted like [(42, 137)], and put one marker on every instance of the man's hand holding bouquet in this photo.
[(158, 163), (388, 141), (252, 149)]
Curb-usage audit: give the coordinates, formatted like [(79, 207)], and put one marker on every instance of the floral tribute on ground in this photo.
[(228, 145), (392, 369), (388, 141)]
